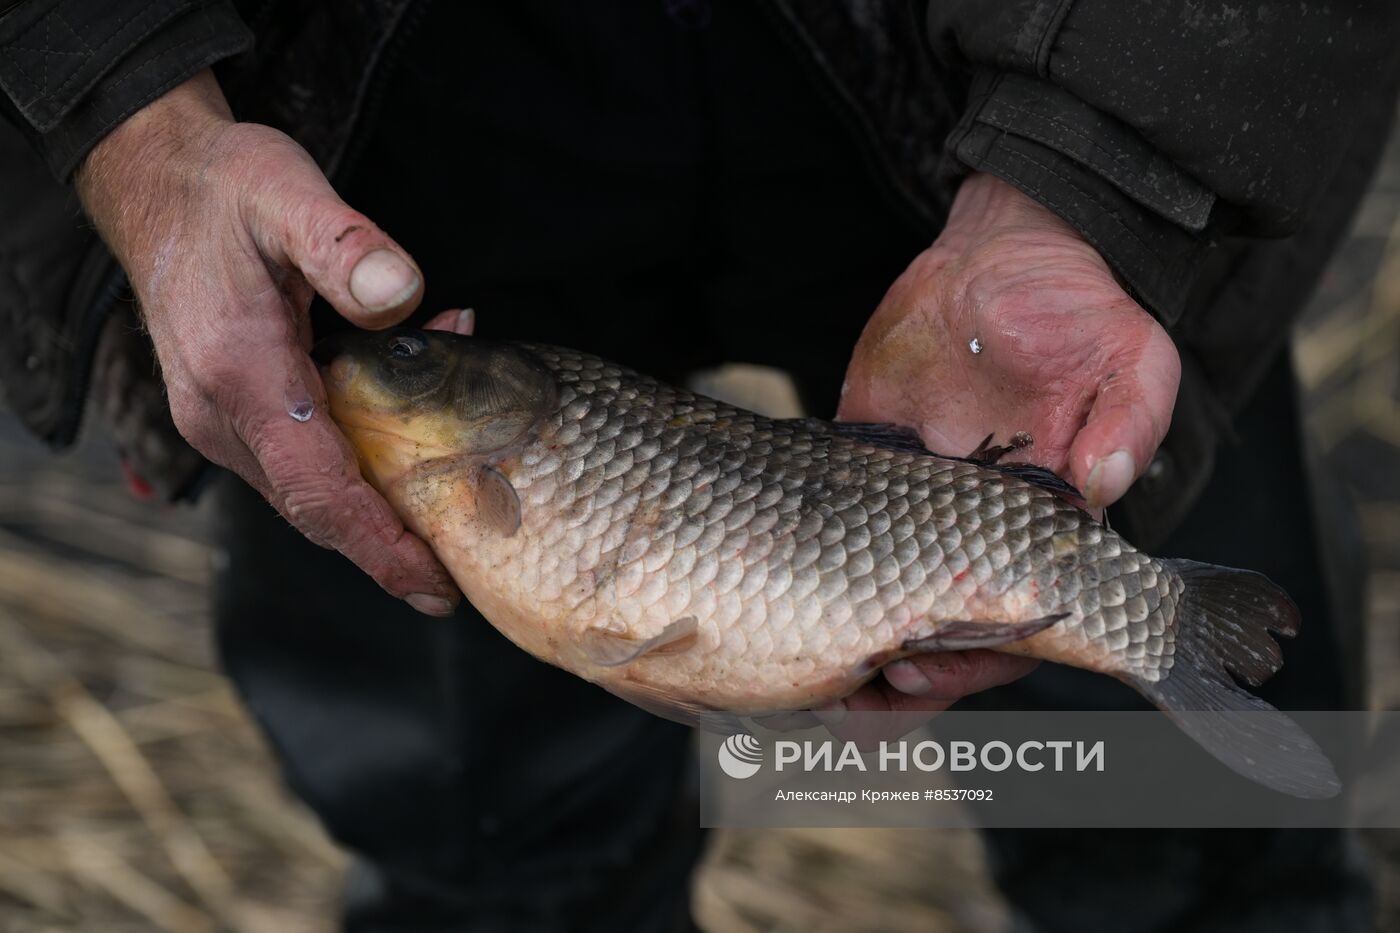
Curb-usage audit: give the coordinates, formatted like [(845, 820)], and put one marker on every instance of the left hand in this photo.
[(1063, 353)]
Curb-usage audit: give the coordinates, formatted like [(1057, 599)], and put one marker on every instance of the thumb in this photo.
[(1126, 424), (358, 268)]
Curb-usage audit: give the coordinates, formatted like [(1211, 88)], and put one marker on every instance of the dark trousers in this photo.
[(669, 197)]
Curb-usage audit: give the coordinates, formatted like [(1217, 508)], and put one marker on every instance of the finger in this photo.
[(365, 275), (312, 479), (899, 702), (461, 321), (948, 676), (322, 494), (1129, 417), (873, 715)]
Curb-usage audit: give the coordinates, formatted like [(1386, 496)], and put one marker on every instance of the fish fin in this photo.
[(898, 437), (984, 452), (497, 501), (988, 455), (962, 636), (876, 434), (1038, 476), (686, 712), (610, 649), (1223, 625)]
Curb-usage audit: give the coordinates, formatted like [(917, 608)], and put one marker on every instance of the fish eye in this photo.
[(406, 347)]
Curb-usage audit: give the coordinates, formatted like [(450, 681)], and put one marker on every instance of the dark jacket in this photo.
[(1213, 153)]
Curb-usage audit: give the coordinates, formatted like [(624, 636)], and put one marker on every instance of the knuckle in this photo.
[(954, 673), (213, 371), (956, 667), (191, 412), (330, 229), (336, 510), (311, 506), (216, 380), (327, 506), (193, 423)]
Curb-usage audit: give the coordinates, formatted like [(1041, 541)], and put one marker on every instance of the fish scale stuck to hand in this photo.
[(705, 562)]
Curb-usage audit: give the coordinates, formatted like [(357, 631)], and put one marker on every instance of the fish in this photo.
[(706, 562)]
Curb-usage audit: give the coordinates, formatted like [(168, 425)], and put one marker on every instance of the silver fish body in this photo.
[(694, 557), (806, 558)]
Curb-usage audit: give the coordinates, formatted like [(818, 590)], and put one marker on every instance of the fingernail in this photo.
[(906, 677), (1110, 478), (466, 321), (429, 605), (383, 280), (832, 714)]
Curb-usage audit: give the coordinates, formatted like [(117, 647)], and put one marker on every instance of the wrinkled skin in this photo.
[(1066, 356), (226, 230)]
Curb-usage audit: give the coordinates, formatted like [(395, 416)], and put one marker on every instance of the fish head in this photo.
[(406, 397)]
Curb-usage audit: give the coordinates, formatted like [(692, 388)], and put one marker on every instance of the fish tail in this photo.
[(1225, 623)]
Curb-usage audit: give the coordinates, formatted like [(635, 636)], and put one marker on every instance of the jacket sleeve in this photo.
[(71, 70), (1156, 126)]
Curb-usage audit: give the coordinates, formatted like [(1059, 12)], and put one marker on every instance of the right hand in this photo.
[(1063, 353), (227, 231)]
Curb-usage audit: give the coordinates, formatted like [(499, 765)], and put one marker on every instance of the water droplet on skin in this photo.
[(975, 345), (302, 411)]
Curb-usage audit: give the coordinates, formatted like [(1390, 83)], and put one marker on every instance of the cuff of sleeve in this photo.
[(1145, 216), (149, 50)]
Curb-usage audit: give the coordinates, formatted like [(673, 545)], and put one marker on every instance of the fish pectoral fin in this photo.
[(497, 503), (965, 635), (608, 648)]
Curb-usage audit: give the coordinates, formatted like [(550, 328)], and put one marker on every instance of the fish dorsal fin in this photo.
[(898, 437), (1039, 476), (497, 502), (964, 635), (608, 648), (876, 434)]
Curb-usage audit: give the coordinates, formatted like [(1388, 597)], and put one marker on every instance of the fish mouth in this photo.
[(377, 436), (388, 445)]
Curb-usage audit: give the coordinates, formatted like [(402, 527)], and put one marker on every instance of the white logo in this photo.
[(741, 756)]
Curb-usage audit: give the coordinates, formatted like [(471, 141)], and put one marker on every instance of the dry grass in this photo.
[(136, 796), (134, 793)]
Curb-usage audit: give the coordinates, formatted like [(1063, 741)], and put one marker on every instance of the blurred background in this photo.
[(135, 794)]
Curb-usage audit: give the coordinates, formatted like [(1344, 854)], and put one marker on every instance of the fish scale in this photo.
[(850, 507), (707, 563)]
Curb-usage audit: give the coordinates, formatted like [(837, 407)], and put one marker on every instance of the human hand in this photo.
[(1063, 353), (227, 231)]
